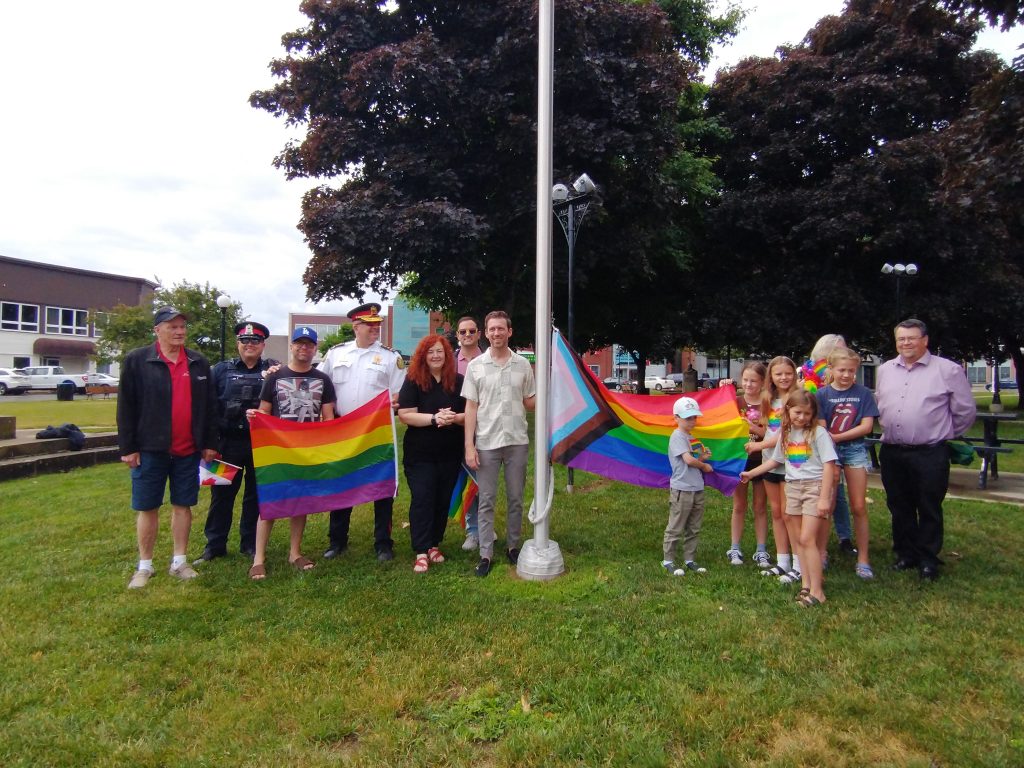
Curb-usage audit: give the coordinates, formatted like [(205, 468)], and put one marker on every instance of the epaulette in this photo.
[(399, 360)]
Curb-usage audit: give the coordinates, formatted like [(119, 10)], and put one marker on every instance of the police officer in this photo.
[(238, 383), (361, 369)]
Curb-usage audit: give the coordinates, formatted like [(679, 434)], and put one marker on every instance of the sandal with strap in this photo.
[(810, 601), (775, 570), (421, 565), (790, 577), (302, 563), (435, 556), (864, 571), (258, 572), (804, 592)]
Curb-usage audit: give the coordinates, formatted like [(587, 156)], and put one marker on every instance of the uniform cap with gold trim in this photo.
[(366, 313)]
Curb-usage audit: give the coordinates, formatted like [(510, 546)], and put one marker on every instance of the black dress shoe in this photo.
[(385, 555), (512, 555), (903, 564), (247, 551), (335, 550), (846, 547), (929, 572), (483, 567), (207, 556)]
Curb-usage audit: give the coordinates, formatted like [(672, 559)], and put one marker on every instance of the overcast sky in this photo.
[(129, 145)]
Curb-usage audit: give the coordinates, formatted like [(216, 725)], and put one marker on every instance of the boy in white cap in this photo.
[(686, 489)]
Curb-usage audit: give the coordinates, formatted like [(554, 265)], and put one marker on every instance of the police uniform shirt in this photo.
[(238, 388), (361, 374)]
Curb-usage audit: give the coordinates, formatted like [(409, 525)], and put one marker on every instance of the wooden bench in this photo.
[(99, 389), (988, 453)]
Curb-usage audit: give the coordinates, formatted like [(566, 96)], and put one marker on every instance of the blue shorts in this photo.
[(152, 474), (853, 455)]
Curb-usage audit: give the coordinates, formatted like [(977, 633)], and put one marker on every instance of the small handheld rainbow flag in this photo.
[(217, 472), (463, 496)]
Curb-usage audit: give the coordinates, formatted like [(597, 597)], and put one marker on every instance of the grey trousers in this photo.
[(514, 458), (685, 515)]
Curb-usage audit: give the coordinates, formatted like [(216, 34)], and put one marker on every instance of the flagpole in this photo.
[(540, 558)]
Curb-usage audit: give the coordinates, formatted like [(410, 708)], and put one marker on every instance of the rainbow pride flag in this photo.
[(319, 466), (217, 472), (625, 437), (463, 496)]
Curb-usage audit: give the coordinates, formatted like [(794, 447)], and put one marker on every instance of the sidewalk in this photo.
[(963, 484)]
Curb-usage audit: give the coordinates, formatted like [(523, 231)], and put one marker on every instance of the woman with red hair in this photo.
[(430, 405)]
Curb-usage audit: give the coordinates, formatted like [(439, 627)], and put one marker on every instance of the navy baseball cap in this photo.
[(167, 313)]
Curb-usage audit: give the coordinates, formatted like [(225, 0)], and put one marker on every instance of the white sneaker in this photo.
[(139, 579), (671, 570), (692, 566), (183, 572), (471, 543), (762, 560), (735, 557)]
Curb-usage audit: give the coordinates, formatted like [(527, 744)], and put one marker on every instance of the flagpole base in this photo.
[(540, 564)]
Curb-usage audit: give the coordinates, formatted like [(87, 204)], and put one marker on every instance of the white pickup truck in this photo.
[(49, 376)]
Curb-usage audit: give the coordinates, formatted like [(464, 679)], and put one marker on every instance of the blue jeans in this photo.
[(151, 477), (472, 527)]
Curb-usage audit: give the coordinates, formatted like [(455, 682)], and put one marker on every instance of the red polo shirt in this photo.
[(182, 443)]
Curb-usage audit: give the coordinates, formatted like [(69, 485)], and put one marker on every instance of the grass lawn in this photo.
[(90, 415), (615, 663)]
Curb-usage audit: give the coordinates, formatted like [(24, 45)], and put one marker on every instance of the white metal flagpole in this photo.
[(540, 558)]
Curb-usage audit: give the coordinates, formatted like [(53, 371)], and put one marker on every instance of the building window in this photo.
[(22, 362), (68, 322), (19, 317), (595, 369)]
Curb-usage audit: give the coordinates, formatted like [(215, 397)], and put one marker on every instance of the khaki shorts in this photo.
[(802, 498)]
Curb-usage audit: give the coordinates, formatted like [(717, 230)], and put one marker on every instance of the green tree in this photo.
[(125, 328), (340, 336), (833, 167), (429, 110)]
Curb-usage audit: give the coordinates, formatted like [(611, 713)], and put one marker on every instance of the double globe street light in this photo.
[(898, 271), (223, 301), (570, 207)]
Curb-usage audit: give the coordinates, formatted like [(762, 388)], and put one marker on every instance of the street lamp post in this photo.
[(898, 271), (223, 301), (570, 210)]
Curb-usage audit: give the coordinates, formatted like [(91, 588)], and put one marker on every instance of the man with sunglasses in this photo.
[(238, 383), (468, 335)]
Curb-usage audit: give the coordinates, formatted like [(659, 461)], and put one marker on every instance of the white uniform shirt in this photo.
[(359, 375)]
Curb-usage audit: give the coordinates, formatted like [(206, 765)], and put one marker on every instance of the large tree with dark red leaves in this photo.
[(421, 118), (834, 166)]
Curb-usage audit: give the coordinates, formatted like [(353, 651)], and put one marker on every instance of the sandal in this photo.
[(864, 571), (790, 577), (810, 601), (422, 564), (302, 563), (434, 555), (775, 570), (804, 592), (258, 572)]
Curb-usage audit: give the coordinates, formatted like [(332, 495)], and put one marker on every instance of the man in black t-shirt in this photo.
[(297, 392)]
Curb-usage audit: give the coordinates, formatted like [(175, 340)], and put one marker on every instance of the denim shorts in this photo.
[(151, 476), (853, 454)]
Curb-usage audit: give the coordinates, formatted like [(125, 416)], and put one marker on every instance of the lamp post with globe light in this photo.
[(223, 301), (899, 271), (570, 207)]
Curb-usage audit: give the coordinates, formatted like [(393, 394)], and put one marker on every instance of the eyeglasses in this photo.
[(467, 332), (908, 339), (250, 340)]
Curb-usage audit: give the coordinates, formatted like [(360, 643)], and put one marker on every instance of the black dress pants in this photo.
[(430, 485), (341, 519), (916, 479)]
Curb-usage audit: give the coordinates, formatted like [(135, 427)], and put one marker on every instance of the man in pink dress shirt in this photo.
[(923, 401)]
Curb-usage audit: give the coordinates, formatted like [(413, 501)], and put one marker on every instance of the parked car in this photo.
[(99, 378), (658, 383), (12, 382), (676, 379), (49, 376), (1004, 384), (619, 385)]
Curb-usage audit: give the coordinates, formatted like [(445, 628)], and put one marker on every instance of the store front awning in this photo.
[(63, 347)]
